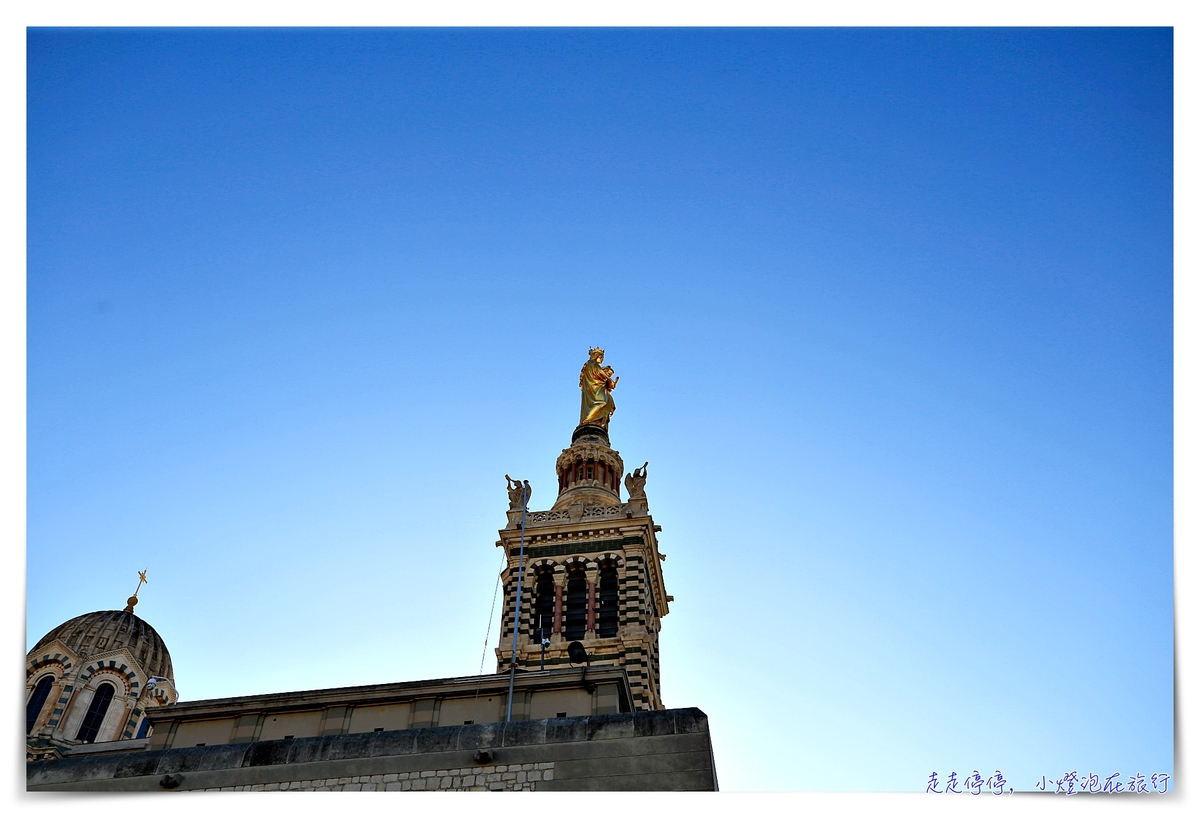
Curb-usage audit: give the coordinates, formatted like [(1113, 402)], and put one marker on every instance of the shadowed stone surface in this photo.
[(654, 750)]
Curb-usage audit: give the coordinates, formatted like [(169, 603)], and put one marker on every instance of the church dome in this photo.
[(102, 631)]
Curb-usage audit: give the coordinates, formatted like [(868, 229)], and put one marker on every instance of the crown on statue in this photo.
[(594, 351)]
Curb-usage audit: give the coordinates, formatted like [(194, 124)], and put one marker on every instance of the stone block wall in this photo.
[(491, 778), (646, 750)]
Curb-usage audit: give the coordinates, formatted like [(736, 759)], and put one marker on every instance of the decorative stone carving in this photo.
[(546, 517), (635, 483), (518, 493)]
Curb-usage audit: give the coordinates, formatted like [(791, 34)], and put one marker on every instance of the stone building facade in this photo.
[(95, 679), (646, 750), (578, 706), (591, 572)]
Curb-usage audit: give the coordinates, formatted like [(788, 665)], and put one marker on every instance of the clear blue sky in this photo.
[(892, 311)]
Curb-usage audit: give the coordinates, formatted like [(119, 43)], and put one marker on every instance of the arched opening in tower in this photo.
[(575, 621)]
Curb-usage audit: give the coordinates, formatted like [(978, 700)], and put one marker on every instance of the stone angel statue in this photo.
[(635, 483), (518, 493)]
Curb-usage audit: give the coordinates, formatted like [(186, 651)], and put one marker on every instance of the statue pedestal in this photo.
[(590, 433), (589, 472)]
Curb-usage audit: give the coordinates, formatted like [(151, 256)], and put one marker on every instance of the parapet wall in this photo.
[(649, 750)]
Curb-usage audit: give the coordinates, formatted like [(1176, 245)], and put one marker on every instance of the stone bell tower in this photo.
[(592, 569)]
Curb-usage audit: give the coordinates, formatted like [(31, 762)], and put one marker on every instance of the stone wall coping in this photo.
[(490, 736), (122, 746)]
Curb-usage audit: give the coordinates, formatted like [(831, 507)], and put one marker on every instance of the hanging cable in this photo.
[(487, 636)]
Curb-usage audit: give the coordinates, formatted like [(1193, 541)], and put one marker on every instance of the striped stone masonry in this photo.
[(583, 536)]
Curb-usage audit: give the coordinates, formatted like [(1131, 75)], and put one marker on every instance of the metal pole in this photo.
[(512, 671)]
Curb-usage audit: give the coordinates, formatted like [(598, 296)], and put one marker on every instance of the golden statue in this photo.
[(597, 383)]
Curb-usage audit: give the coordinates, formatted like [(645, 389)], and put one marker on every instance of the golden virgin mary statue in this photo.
[(597, 383)]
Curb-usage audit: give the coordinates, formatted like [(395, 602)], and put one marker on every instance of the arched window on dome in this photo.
[(575, 621), (37, 701), (96, 712)]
